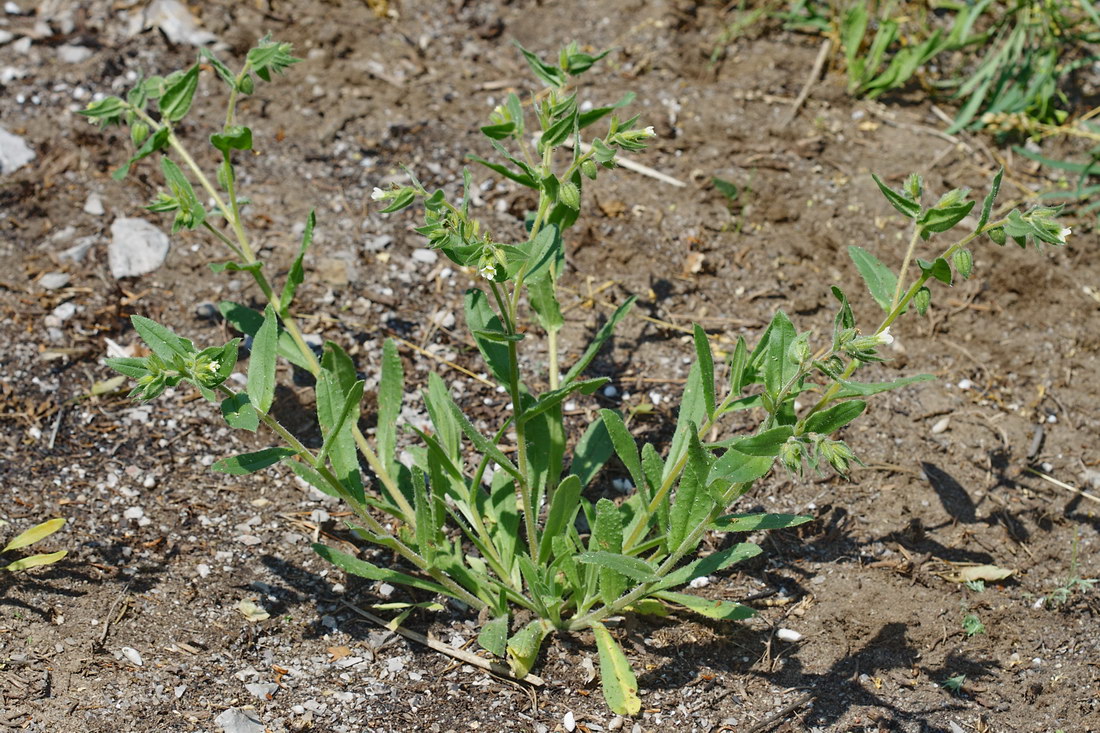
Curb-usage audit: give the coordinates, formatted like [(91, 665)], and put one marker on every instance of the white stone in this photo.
[(427, 256), (235, 720), (788, 635), (134, 512), (94, 205), (6, 37), (54, 280), (137, 247), (69, 54), (133, 655), (569, 722), (14, 153), (173, 17), (262, 690), (941, 425)]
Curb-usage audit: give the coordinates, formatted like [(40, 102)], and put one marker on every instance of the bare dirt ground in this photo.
[(162, 551)]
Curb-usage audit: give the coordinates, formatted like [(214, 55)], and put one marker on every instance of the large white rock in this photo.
[(136, 247), (14, 153)]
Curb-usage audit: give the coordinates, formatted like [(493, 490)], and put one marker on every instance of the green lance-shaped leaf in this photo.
[(367, 570), (523, 648), (541, 296), (620, 687), (693, 410), (483, 444), (190, 213), (736, 467), (835, 417), (592, 451), (710, 564), (482, 321), (601, 338), (297, 271), (493, 636), (634, 568), (903, 204), (223, 71), (779, 370), (347, 417), (550, 75), (177, 97), (563, 510), (391, 393), (336, 381), (766, 443), (160, 340), (880, 280), (706, 366), (719, 610), (939, 269), (990, 198), (942, 218), (607, 536), (693, 502), (251, 462), (866, 389), (35, 561), (248, 321), (261, 364), (239, 412), (157, 141), (625, 447), (739, 362), (34, 534), (754, 522)]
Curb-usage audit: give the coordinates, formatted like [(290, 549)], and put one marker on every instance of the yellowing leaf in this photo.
[(35, 560), (252, 612), (620, 687), (988, 573), (35, 533)]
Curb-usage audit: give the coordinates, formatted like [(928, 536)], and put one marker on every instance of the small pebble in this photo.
[(701, 582), (569, 722), (788, 635), (133, 655), (262, 690), (427, 256), (941, 425), (965, 384), (54, 280), (610, 391), (94, 205)]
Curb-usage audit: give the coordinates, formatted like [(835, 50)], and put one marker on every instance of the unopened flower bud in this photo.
[(799, 350), (790, 455), (998, 235), (588, 168), (570, 195), (922, 300), (964, 262), (838, 454), (246, 85), (139, 131)]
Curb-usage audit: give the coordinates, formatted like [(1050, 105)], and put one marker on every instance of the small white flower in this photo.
[(213, 367), (487, 271), (649, 132), (885, 337), (377, 194), (1066, 231)]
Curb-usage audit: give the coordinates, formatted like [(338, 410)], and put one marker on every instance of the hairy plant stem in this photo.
[(388, 540), (244, 250), (905, 266)]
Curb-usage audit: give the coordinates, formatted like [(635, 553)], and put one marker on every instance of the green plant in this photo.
[(499, 529), (1073, 580), (972, 625), (29, 537), (954, 684)]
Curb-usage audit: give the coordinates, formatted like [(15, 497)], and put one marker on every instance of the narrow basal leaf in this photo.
[(261, 363), (607, 536), (563, 510), (346, 418), (391, 393), (251, 462), (693, 411), (625, 447), (766, 443), (719, 610), (865, 389), (779, 370), (592, 452), (620, 687), (34, 534), (739, 361), (754, 522), (367, 570), (706, 366), (634, 568), (35, 561), (601, 338), (880, 280), (710, 564), (693, 502)]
